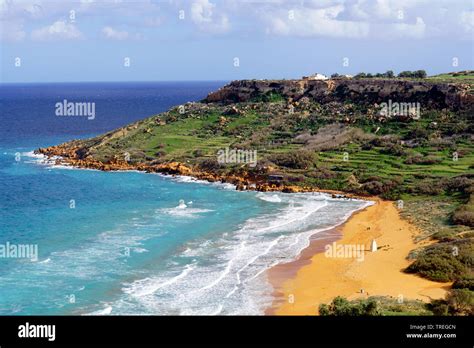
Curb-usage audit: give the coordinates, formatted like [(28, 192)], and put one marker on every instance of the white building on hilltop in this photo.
[(316, 76)]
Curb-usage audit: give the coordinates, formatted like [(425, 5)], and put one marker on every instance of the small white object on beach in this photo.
[(373, 246)]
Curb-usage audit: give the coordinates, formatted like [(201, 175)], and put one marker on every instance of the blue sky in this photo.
[(90, 40)]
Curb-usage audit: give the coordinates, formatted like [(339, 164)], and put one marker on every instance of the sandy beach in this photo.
[(315, 278)]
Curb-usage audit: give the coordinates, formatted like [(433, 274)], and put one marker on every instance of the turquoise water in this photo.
[(121, 242)]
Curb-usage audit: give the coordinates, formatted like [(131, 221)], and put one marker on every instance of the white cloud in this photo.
[(372, 19), (113, 34), (207, 18), (467, 21), (315, 22), (59, 30), (12, 31), (416, 31), (153, 21)]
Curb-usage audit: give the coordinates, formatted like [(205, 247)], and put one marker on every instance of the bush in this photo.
[(296, 159), (464, 215), (393, 149), (460, 183), (460, 302), (385, 141), (160, 153), (445, 236), (209, 164), (418, 132), (340, 306), (376, 187), (438, 307), (466, 282), (420, 159), (373, 187), (429, 187), (457, 302), (444, 262), (198, 153)]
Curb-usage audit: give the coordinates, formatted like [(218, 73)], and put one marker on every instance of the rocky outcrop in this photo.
[(366, 91), (70, 154)]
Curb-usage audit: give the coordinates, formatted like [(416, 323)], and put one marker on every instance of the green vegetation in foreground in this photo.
[(428, 163), (457, 302)]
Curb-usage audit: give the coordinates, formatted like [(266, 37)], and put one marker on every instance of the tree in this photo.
[(419, 74), (360, 75), (405, 74), (389, 74)]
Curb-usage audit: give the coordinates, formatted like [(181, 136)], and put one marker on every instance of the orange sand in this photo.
[(380, 273)]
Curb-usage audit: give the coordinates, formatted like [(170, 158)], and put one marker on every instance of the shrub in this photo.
[(376, 187), (466, 282), (457, 302), (420, 159), (460, 183), (322, 173), (460, 302), (296, 159), (438, 307), (445, 236), (373, 187), (418, 132), (444, 262), (464, 215), (429, 187), (198, 153), (340, 306), (209, 164), (393, 149)]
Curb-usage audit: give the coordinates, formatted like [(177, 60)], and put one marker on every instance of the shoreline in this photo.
[(313, 278), (61, 156), (283, 272)]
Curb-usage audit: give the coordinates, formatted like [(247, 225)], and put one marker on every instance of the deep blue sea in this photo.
[(120, 242)]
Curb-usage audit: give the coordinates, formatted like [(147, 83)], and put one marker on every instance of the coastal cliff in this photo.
[(365, 91)]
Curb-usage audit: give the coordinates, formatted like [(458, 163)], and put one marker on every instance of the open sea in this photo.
[(116, 243)]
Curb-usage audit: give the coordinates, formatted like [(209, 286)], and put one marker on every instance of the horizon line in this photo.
[(131, 81)]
